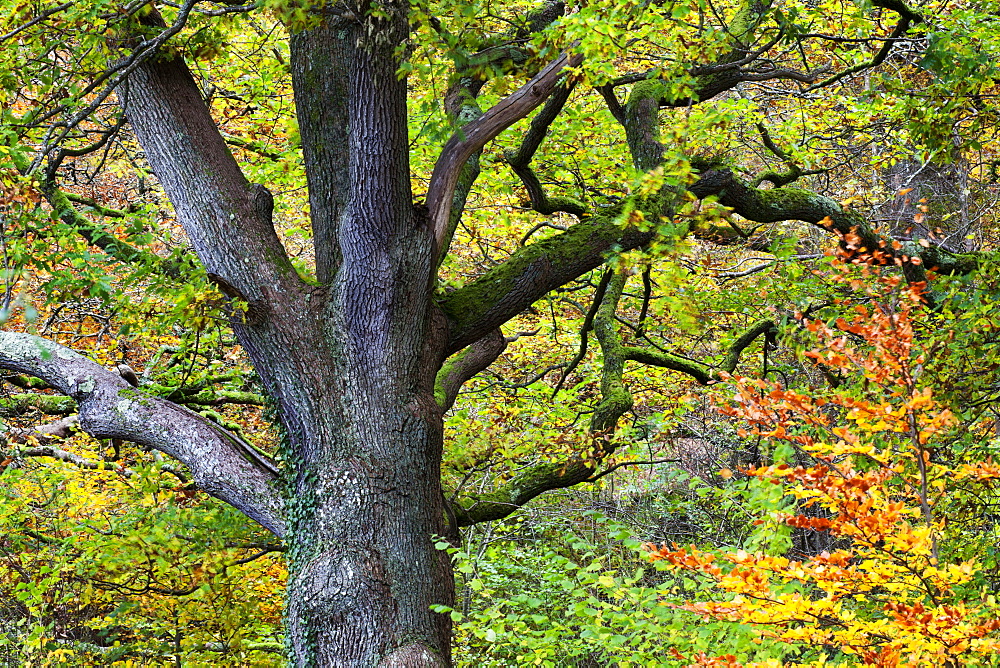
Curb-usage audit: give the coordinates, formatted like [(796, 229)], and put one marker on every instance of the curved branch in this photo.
[(501, 502), (715, 78), (703, 373), (857, 237), (466, 364), (779, 179), (907, 18), (588, 324), (474, 136), (520, 159), (540, 478), (463, 108), (222, 465)]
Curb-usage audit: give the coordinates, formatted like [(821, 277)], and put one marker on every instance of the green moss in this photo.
[(49, 404), (440, 393), (746, 21), (279, 260), (508, 498), (644, 90), (564, 203), (470, 303)]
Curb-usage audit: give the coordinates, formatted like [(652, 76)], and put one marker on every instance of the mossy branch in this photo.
[(779, 179), (107, 212), (465, 364), (616, 400), (475, 508), (95, 234), (530, 273), (49, 404), (857, 237)]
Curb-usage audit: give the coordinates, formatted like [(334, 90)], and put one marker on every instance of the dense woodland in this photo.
[(499, 333)]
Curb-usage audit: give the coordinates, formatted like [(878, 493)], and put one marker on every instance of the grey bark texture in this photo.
[(111, 408)]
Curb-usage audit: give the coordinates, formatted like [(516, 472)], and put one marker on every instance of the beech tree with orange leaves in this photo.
[(864, 470)]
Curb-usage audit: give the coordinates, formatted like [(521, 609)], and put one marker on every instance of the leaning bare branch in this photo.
[(220, 462), (475, 135), (70, 458), (729, 275), (35, 21)]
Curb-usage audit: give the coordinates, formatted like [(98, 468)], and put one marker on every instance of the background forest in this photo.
[(799, 359)]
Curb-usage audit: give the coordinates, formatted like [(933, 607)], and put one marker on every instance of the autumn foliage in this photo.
[(861, 462)]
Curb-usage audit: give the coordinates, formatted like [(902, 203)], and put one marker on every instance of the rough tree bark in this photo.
[(351, 362)]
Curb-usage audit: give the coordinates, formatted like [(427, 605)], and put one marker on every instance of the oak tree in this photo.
[(364, 347)]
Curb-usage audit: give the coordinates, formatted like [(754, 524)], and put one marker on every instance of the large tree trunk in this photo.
[(364, 445), (350, 361), (364, 439)]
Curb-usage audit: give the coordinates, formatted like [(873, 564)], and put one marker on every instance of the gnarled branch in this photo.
[(466, 364), (222, 465), (530, 273), (783, 204), (520, 159), (474, 136)]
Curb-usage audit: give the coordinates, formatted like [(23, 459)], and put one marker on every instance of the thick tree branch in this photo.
[(857, 237), (616, 400), (320, 81), (227, 219), (530, 273), (58, 430), (463, 107), (474, 136), (222, 465), (534, 270), (465, 364)]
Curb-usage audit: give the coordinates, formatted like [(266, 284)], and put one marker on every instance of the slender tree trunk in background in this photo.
[(929, 201)]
